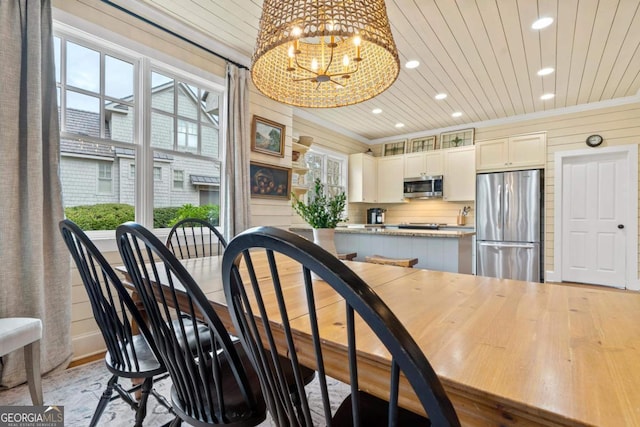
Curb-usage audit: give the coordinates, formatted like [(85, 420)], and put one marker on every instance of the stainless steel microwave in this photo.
[(423, 187)]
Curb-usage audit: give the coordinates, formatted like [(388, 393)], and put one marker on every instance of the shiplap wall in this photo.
[(269, 211), (332, 140), (618, 126)]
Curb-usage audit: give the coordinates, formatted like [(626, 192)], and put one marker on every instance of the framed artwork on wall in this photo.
[(393, 148), (267, 137), (427, 143), (270, 181), (457, 138)]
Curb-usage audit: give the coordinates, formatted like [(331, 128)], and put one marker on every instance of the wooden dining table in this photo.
[(507, 352)]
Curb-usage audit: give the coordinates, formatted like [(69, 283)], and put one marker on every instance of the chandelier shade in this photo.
[(324, 53)]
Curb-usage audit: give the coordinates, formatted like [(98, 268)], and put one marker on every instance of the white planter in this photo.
[(324, 237)]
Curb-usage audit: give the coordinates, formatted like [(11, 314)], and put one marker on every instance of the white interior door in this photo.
[(594, 219)]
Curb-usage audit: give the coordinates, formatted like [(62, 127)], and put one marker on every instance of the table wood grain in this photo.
[(507, 352)]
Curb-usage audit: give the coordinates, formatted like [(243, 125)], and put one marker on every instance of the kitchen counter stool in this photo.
[(400, 262), (348, 257)]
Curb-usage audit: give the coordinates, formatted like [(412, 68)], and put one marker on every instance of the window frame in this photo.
[(179, 172), (333, 155), (145, 60), (102, 167)]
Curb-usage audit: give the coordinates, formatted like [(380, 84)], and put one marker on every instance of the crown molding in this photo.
[(519, 118)]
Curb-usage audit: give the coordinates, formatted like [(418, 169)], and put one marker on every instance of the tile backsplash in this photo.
[(429, 211)]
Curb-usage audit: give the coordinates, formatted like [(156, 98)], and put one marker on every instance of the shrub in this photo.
[(209, 213), (106, 216), (162, 217)]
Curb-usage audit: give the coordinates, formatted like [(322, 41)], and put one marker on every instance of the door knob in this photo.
[(620, 226)]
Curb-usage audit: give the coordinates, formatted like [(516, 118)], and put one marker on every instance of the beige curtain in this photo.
[(35, 275), (237, 153)]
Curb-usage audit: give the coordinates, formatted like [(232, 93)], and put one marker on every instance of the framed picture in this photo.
[(267, 137), (456, 138), (427, 143), (270, 181), (393, 148)]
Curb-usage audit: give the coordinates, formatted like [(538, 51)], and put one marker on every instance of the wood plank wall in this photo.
[(618, 125), (332, 140)]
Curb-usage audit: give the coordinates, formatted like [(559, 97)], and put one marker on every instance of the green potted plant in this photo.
[(322, 212)]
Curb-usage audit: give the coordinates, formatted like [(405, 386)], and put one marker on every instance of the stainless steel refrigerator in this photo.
[(509, 226)]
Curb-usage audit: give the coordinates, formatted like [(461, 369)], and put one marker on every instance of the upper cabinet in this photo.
[(515, 152), (390, 180), (363, 174), (459, 174), (427, 163)]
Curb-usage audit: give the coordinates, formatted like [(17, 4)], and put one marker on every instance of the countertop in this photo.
[(391, 230)]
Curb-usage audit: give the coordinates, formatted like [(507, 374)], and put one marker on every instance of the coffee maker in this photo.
[(375, 216)]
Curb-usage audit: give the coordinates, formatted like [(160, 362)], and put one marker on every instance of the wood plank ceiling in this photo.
[(482, 53)]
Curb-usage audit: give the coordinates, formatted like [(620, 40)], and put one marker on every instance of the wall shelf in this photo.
[(300, 148), (299, 190), (300, 169)]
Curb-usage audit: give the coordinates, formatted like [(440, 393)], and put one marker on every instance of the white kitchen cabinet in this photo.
[(515, 152), (459, 174), (427, 163), (390, 179), (363, 174)]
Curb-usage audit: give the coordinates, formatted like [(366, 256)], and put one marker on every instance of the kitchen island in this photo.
[(442, 250)]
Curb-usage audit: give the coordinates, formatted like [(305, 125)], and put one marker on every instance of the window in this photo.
[(112, 123), (187, 135), (105, 181), (330, 167), (178, 179), (193, 111)]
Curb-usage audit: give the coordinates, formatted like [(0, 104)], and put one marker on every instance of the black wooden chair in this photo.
[(213, 382), (195, 238), (245, 301), (129, 355)]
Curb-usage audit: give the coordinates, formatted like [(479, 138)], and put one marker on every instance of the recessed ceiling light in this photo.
[(456, 114), (399, 125), (412, 64), (440, 96), (547, 96), (545, 71), (376, 111), (542, 23)]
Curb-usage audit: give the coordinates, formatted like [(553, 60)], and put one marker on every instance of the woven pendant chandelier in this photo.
[(324, 53)]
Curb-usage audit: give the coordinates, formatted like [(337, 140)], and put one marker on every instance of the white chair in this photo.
[(16, 332)]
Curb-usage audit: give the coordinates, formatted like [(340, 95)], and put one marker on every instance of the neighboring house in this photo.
[(95, 173)]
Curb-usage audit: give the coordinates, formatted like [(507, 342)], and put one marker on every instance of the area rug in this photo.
[(79, 389)]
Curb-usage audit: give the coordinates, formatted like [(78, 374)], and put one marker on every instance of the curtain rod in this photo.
[(166, 30)]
